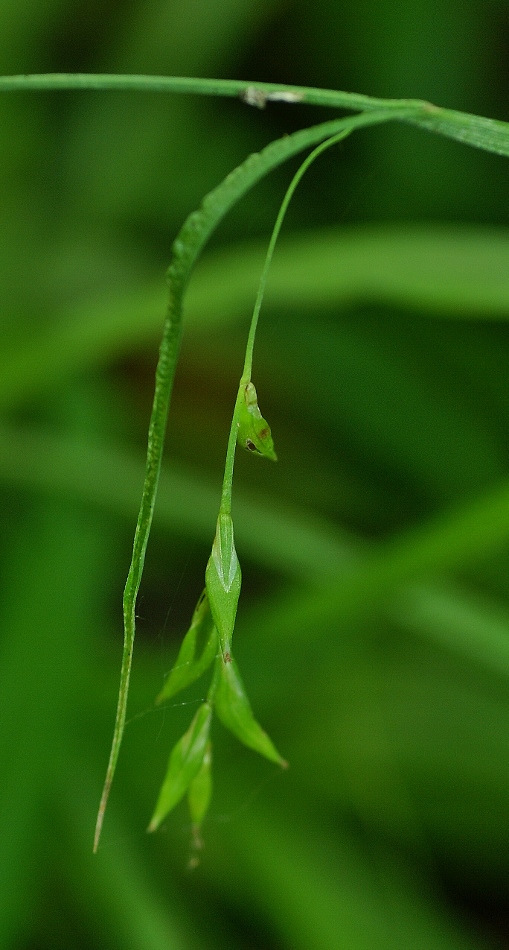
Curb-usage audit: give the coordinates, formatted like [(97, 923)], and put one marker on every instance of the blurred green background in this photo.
[(373, 629)]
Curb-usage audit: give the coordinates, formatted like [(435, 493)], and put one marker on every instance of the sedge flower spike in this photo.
[(198, 650), (254, 432), (223, 579), (189, 765), (186, 761)]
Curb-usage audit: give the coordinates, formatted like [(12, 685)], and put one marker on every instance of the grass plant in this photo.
[(419, 580)]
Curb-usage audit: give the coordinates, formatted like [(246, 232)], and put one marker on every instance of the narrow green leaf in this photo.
[(234, 710), (198, 649), (185, 762), (479, 131), (200, 789), (254, 432), (223, 579)]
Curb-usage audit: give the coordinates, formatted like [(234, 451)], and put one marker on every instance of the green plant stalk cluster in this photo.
[(186, 248), (192, 754)]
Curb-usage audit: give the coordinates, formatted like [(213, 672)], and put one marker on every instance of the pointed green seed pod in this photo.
[(200, 790), (199, 647), (234, 710), (223, 579), (254, 432), (185, 762)]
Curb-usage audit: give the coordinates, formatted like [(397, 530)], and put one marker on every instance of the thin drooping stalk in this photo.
[(226, 491), (248, 362), (492, 135), (192, 237), (226, 494)]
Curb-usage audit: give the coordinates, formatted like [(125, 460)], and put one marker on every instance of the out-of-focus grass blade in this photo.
[(457, 619), (50, 581), (370, 380), (441, 270), (419, 740), (320, 889), (450, 541), (283, 537), (288, 539), (120, 891)]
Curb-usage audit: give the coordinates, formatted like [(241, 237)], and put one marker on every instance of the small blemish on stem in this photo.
[(285, 96), (253, 96)]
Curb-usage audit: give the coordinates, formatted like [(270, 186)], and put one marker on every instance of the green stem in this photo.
[(491, 135), (206, 87), (248, 363), (226, 494), (192, 237)]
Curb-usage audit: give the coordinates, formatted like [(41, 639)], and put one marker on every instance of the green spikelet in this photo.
[(254, 432)]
